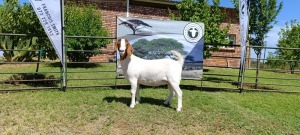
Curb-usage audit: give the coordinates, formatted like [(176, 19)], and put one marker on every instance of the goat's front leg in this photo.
[(134, 86), (138, 97)]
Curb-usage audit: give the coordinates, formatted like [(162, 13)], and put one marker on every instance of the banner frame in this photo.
[(44, 23), (243, 42)]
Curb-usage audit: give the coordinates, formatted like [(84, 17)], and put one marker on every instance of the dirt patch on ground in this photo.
[(96, 126), (251, 86)]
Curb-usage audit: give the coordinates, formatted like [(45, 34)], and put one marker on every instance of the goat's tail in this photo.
[(180, 57)]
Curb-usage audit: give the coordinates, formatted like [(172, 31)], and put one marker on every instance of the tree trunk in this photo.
[(258, 55), (39, 58), (292, 68)]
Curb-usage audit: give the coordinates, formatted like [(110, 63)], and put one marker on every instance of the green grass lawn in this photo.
[(104, 110)]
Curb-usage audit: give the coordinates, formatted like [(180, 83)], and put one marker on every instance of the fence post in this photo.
[(64, 63)]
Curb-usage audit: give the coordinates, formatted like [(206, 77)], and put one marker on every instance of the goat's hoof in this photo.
[(167, 104), (131, 106), (137, 102), (178, 109)]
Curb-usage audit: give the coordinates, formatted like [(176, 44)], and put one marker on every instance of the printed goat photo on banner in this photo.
[(154, 39)]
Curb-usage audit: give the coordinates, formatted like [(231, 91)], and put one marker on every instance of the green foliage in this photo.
[(273, 61), (83, 20), (79, 20), (15, 18), (156, 48), (290, 38), (211, 16), (262, 15)]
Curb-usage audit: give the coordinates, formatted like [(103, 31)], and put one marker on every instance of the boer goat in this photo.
[(150, 72)]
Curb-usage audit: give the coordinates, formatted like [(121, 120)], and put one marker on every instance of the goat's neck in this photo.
[(126, 61)]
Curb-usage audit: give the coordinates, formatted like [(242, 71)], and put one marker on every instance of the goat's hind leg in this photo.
[(169, 99), (178, 92)]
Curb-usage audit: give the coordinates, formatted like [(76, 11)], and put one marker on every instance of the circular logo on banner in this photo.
[(192, 32)]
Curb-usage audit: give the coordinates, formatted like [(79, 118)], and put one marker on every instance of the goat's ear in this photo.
[(129, 48)]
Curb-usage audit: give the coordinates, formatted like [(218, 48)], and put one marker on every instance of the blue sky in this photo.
[(289, 11)]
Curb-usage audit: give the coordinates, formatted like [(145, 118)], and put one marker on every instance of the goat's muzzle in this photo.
[(122, 52)]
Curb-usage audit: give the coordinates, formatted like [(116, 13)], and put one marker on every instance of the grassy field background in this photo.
[(104, 110)]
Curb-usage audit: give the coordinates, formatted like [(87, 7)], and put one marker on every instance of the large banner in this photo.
[(50, 16), (154, 39), (244, 23)]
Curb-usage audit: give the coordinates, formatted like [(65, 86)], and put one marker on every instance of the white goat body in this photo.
[(151, 72)]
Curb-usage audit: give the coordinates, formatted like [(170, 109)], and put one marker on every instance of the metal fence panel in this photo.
[(19, 76)]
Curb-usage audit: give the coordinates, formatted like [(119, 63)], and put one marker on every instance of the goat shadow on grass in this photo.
[(196, 87), (144, 100)]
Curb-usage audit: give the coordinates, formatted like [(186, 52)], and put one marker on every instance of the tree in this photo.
[(262, 15), (290, 38), (273, 60), (157, 48), (79, 20), (135, 24), (83, 20), (15, 18), (211, 16)]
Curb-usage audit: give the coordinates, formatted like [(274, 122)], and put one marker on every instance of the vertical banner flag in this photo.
[(154, 39), (244, 23), (50, 16)]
